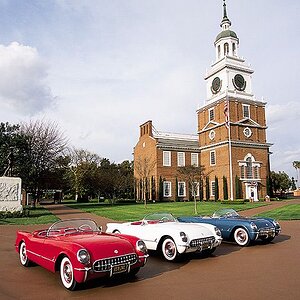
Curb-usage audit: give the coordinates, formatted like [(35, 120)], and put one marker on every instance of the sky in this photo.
[(101, 68)]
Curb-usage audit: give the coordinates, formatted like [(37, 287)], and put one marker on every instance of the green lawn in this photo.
[(131, 212), (37, 215), (288, 212)]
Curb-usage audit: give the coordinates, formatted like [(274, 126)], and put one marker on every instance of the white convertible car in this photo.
[(162, 232)]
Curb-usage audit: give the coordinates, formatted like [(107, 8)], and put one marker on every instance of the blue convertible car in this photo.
[(239, 229)]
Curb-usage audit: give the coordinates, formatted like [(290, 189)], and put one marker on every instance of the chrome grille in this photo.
[(203, 242), (267, 231), (103, 265)]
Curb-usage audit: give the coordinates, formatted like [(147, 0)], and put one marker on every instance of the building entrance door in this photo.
[(251, 191)]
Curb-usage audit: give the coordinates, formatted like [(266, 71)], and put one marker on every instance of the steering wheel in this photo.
[(164, 219), (85, 227)]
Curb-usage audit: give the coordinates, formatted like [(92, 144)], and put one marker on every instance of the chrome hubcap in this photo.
[(241, 236), (67, 272), (23, 253), (170, 249)]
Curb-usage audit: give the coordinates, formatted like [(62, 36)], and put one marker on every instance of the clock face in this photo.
[(247, 132), (239, 82), (212, 134), (216, 85)]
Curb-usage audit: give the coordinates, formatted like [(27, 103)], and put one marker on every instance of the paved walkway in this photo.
[(64, 212)]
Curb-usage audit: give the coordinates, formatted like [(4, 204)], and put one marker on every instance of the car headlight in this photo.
[(253, 226), (183, 236), (141, 246), (83, 256), (218, 231), (275, 223)]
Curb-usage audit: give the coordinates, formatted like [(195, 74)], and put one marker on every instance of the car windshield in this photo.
[(160, 217), (72, 226), (225, 213)]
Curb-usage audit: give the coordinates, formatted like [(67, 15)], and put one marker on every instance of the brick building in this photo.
[(230, 143)]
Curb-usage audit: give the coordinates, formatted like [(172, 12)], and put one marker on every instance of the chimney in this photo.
[(146, 128)]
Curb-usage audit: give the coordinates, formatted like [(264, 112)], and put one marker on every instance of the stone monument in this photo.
[(10, 194)]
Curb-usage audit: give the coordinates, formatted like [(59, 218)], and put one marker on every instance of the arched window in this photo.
[(226, 49), (219, 51), (249, 168), (233, 49)]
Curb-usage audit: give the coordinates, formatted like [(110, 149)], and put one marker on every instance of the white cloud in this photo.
[(22, 85)]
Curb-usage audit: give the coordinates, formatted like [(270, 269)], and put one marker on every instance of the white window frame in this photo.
[(181, 183), (180, 159), (169, 184), (248, 110), (167, 159), (212, 155), (211, 114), (195, 159), (212, 188)]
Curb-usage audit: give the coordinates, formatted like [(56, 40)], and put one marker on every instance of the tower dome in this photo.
[(227, 41)]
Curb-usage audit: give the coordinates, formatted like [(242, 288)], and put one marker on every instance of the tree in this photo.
[(238, 188), (84, 173), (201, 192), (225, 188), (12, 146), (207, 190), (296, 165), (293, 184), (160, 189), (192, 175), (216, 188), (44, 144), (153, 189), (280, 182), (125, 180), (176, 190), (144, 169)]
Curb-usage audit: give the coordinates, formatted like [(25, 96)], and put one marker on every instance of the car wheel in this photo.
[(67, 274), (169, 249), (23, 255), (241, 237)]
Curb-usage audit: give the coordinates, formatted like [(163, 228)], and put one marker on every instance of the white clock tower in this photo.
[(229, 74)]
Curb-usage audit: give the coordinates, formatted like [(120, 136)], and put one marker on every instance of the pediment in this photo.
[(210, 124), (248, 121)]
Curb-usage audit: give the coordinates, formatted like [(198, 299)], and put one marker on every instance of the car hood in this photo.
[(102, 245), (259, 222), (193, 230)]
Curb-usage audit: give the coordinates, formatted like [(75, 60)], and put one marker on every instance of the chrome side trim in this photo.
[(41, 256)]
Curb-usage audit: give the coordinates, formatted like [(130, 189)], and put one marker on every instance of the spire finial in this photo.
[(225, 18), (224, 7)]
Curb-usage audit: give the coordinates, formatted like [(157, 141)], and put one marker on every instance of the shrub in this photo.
[(15, 214)]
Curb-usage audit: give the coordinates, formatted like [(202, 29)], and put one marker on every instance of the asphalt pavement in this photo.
[(259, 271)]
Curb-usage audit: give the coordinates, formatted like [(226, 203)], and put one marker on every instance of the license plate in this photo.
[(119, 269)]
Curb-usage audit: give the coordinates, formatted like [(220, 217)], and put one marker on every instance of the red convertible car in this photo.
[(80, 251)]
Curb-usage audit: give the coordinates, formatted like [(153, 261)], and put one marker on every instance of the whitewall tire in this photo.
[(241, 237), (23, 255), (169, 249), (67, 274)]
